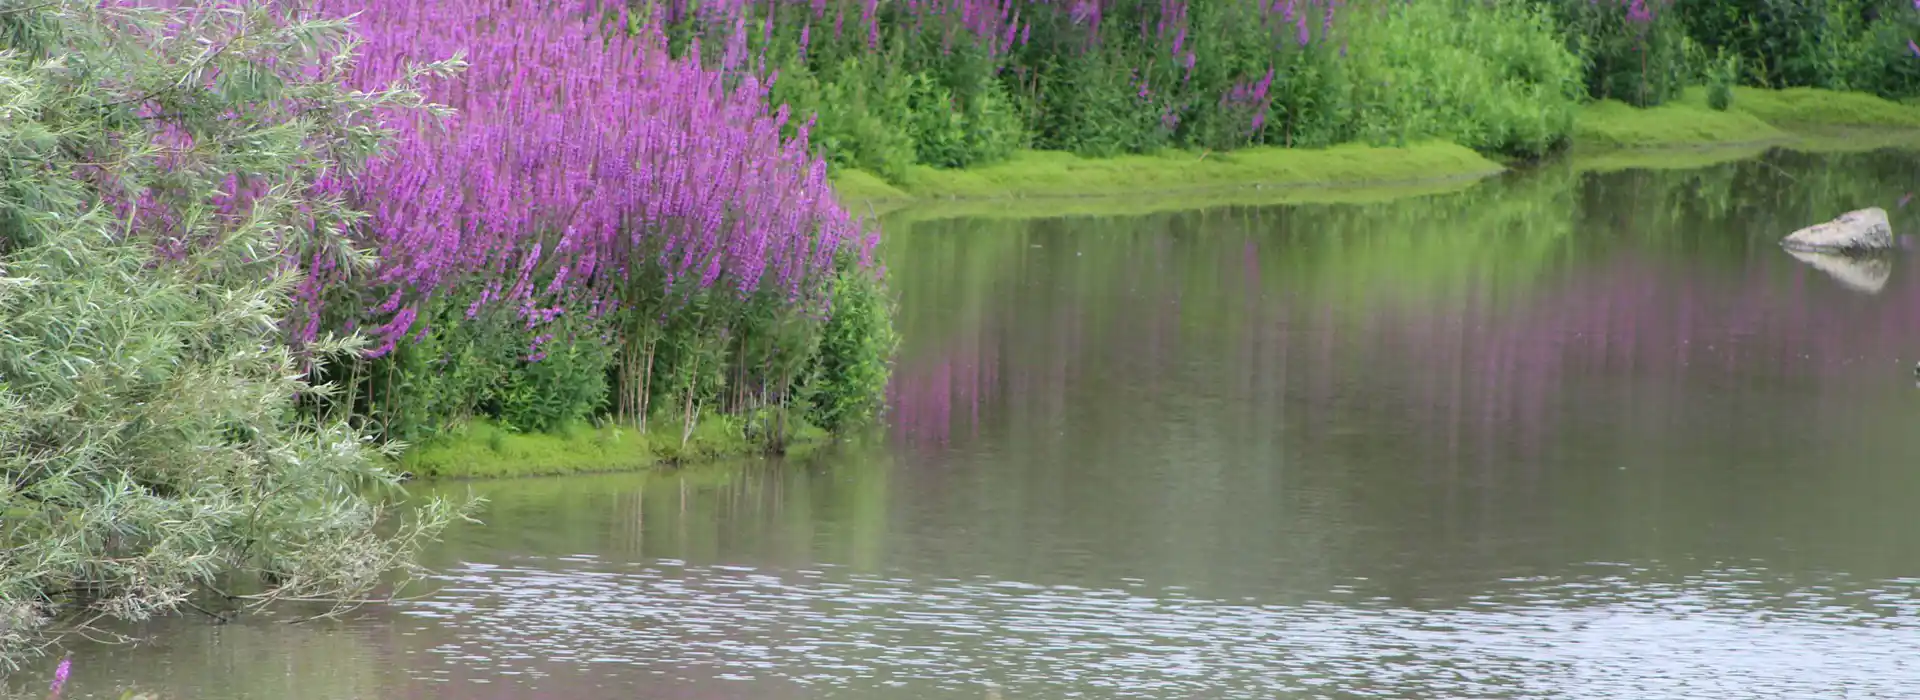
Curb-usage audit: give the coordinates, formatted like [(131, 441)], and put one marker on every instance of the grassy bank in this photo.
[(1607, 135), (1756, 116), (1149, 203), (1053, 175), (482, 450)]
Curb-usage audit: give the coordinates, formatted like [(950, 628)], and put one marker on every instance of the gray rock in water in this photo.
[(1865, 229)]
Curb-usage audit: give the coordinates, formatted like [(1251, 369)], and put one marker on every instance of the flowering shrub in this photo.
[(584, 163), (587, 175)]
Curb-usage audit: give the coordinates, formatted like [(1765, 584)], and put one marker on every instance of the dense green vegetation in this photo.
[(948, 85), (152, 451), (903, 91), (247, 260)]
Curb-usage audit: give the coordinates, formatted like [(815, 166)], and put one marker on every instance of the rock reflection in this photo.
[(1866, 274)]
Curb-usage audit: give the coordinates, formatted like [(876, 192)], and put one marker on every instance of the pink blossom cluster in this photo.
[(995, 25), (1641, 12), (998, 26), (582, 158), (1252, 97)]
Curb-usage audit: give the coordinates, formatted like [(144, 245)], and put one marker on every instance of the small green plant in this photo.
[(1721, 78), (848, 381)]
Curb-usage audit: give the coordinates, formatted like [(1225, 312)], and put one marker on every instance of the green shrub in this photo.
[(848, 379), (1835, 44), (1634, 51), (1721, 79), (1313, 102), (1491, 76), (150, 445), (984, 128), (1093, 104), (479, 367), (861, 111), (1887, 63), (565, 384)]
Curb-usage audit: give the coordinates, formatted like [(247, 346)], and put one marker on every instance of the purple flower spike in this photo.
[(60, 676), (582, 159)]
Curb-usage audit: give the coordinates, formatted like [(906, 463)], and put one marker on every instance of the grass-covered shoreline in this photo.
[(1756, 116), (1607, 135), (481, 449), (1044, 175)]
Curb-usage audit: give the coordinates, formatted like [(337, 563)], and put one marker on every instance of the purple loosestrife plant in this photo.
[(582, 158), (60, 677)]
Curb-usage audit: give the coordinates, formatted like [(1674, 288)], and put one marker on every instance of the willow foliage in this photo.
[(159, 168)]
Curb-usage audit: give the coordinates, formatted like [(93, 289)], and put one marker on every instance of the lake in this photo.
[(1566, 433)]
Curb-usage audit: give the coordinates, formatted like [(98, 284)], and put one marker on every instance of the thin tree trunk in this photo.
[(388, 400), (644, 388), (693, 385)]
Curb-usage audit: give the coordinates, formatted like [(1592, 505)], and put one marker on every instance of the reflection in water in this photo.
[(1561, 435), (1862, 273)]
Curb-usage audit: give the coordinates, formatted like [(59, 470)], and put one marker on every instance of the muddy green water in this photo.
[(1560, 435)]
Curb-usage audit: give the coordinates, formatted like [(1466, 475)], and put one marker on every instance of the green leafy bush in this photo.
[(1634, 51), (487, 366), (1835, 44), (848, 377), (149, 441), (861, 110), (1887, 62), (1491, 76), (1722, 76)]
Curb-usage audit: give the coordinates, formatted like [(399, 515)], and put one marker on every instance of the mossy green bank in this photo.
[(482, 449), (1755, 116), (1607, 135), (1036, 174)]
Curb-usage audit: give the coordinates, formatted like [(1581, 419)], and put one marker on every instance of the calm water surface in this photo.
[(1567, 435)]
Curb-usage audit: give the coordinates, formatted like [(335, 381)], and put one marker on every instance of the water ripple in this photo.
[(1721, 634)]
